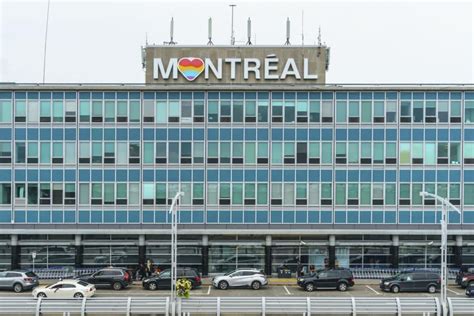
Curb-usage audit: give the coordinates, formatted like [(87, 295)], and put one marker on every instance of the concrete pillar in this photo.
[(205, 255), (15, 252), (268, 255), (141, 249), (332, 251), (79, 250), (394, 251), (458, 252)]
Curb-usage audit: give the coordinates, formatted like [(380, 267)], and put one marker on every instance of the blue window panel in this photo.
[(366, 134), (416, 217), (326, 134), (185, 175), (326, 175), (121, 175), (213, 95), (69, 216), (20, 175), (276, 217), (185, 216), (97, 95), (224, 216), (341, 134), (377, 95), (70, 95), (45, 216), (5, 175), (430, 176), (134, 134), (262, 175), (84, 175), (57, 134), (288, 175), (262, 134), (341, 176), (277, 134), (365, 217), (96, 217), (237, 175), (289, 134), (20, 95), (468, 175), (442, 175), (454, 217), (390, 176), (289, 217), (20, 216), (429, 217), (161, 134), (443, 134), (198, 216), (313, 217), (250, 134), (301, 217), (20, 133), (405, 134), (148, 134), (45, 175), (390, 217), (353, 175), (148, 95), (468, 217), (378, 175), (97, 134), (84, 134), (405, 175), (148, 175), (109, 95), (32, 134), (365, 175), (340, 217), (160, 217), (379, 134), (198, 175), (225, 134), (418, 95), (391, 134), (301, 134), (326, 217), (417, 175), (5, 133), (315, 95), (198, 134), (377, 217), (148, 217), (212, 175), (430, 134), (314, 175), (404, 217), (133, 175), (5, 216), (250, 95), (314, 134), (289, 95), (160, 175), (262, 217), (173, 175), (122, 134), (249, 217), (277, 95), (301, 175), (468, 134), (109, 217), (238, 95), (96, 175), (238, 134), (328, 95), (353, 134), (32, 175), (57, 216), (237, 217), (405, 95), (121, 216), (70, 134), (133, 216), (5, 95), (224, 175), (455, 135), (33, 95), (109, 175), (212, 216), (57, 175), (32, 216), (352, 217), (455, 176), (212, 134), (418, 134)]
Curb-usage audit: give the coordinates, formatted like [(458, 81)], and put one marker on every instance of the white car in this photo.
[(65, 289), (241, 278)]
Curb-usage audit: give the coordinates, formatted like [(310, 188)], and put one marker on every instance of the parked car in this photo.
[(416, 281), (163, 280), (115, 278), (65, 289), (467, 279), (470, 290), (18, 280), (337, 278), (252, 278), (464, 270)]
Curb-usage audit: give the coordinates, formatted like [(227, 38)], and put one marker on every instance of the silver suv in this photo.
[(18, 280), (252, 278)]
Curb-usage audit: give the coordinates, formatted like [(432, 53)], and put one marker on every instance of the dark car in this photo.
[(470, 290), (18, 280), (467, 280), (338, 278), (464, 274), (115, 278), (416, 281), (163, 280)]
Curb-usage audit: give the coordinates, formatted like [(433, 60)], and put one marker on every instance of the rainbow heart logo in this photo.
[(190, 67)]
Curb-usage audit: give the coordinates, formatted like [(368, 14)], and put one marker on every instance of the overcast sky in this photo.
[(370, 41)]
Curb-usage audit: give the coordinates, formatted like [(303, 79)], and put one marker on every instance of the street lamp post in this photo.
[(445, 204), (174, 249)]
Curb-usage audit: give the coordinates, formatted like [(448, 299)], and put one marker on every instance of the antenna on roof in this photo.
[(302, 27), (287, 32), (171, 42), (209, 32), (249, 32), (232, 34), (45, 42), (319, 36), (146, 38)]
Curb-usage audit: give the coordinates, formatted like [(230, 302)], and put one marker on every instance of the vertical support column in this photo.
[(458, 252), (205, 255), (141, 249), (79, 249), (394, 251), (332, 251), (15, 252), (268, 255)]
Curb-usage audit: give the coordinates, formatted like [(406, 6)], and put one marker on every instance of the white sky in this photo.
[(371, 41)]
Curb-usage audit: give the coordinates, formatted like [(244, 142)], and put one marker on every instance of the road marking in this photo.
[(286, 289), (209, 290), (452, 291), (370, 288)]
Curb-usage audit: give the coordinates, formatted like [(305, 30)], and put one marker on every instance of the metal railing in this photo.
[(373, 273), (236, 305)]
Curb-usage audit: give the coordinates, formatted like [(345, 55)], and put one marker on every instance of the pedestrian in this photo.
[(149, 267), (299, 269), (312, 269)]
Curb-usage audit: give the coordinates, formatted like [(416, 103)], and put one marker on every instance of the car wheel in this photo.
[(117, 286), (41, 295), (309, 287), (395, 289), (432, 289), (256, 285), (152, 286), (342, 287), (78, 295), (17, 288), (223, 285)]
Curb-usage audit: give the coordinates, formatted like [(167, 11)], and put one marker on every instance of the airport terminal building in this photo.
[(276, 166)]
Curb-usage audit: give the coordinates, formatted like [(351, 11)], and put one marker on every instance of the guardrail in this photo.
[(374, 273), (236, 305)]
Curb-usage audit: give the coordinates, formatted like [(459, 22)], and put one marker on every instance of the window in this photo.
[(33, 111), (469, 112), (20, 111), (314, 111), (84, 111), (5, 193), (122, 111), (6, 152), (45, 152), (5, 111), (45, 111), (97, 111), (109, 111), (20, 152), (148, 111), (134, 110)]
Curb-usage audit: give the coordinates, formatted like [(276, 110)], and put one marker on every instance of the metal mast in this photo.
[(232, 34)]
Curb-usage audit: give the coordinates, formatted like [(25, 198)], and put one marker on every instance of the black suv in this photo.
[(338, 278), (163, 280), (115, 278), (412, 282)]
